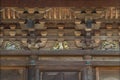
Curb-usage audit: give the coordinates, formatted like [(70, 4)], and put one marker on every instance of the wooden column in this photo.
[(32, 68), (90, 73), (31, 73), (37, 74), (84, 74), (87, 73)]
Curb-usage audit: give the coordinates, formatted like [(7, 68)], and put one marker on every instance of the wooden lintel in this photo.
[(76, 52)]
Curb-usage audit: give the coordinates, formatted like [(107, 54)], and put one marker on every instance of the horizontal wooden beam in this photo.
[(62, 64), (76, 52)]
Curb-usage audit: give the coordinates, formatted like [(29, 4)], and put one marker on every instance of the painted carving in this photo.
[(61, 45), (110, 45), (34, 44), (12, 45), (88, 28), (80, 43)]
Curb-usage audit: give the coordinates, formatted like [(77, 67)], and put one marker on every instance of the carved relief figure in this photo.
[(12, 45), (80, 43), (110, 45), (96, 43), (33, 44), (36, 43), (60, 46)]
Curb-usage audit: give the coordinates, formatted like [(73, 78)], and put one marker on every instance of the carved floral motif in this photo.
[(110, 45), (12, 45)]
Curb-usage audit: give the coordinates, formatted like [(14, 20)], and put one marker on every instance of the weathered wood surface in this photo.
[(60, 52), (60, 64)]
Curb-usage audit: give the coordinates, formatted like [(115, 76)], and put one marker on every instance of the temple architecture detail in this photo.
[(60, 43), (94, 28)]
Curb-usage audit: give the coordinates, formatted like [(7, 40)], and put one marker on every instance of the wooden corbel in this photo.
[(12, 33), (43, 33), (40, 25), (77, 33), (60, 33), (22, 24), (12, 27), (79, 26), (96, 43), (97, 25)]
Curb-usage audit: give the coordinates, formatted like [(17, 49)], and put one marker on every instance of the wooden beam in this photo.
[(76, 52), (63, 64)]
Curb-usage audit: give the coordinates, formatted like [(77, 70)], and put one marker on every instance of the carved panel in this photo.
[(10, 45)]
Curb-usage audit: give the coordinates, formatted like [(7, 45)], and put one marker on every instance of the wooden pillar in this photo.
[(90, 72), (84, 74), (32, 68), (87, 72), (37, 75), (31, 73)]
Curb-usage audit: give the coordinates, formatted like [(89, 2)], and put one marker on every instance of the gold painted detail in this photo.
[(110, 45), (60, 46)]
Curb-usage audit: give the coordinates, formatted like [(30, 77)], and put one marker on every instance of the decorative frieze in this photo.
[(60, 28)]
